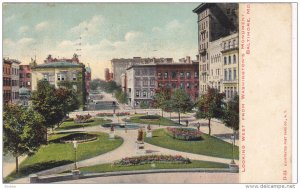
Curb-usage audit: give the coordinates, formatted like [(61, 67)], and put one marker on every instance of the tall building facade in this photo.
[(119, 66), (15, 80), (216, 21), (25, 76), (6, 81), (140, 84), (182, 75)]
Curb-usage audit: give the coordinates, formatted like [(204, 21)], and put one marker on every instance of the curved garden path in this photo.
[(127, 149)]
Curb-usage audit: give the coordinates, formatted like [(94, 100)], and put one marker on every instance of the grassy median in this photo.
[(209, 146)]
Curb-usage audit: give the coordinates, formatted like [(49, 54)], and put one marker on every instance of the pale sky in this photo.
[(107, 30)]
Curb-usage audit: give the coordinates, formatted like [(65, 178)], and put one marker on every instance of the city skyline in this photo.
[(107, 30)]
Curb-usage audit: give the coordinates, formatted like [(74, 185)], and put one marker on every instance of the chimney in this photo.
[(188, 59)]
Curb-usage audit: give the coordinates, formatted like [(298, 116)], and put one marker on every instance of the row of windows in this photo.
[(204, 67), (230, 44), (6, 82), (175, 75), (60, 77), (203, 14), (181, 85), (144, 93), (215, 58), (230, 92), (229, 60), (27, 75), (144, 81), (14, 83), (216, 73), (15, 71), (15, 95), (6, 95), (25, 84), (203, 35), (6, 70), (204, 46), (145, 72), (229, 76)]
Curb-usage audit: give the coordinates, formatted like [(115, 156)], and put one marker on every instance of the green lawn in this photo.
[(112, 168), (162, 121), (55, 154), (209, 146), (72, 125)]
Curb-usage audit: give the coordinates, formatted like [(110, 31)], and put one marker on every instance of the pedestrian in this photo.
[(198, 126), (187, 123)]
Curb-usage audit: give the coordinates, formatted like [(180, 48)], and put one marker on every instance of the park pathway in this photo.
[(127, 149)]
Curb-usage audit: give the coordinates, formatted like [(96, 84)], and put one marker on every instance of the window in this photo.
[(188, 75), (174, 85), (137, 93), (234, 74), (173, 75), (196, 85), (228, 11), (159, 75), (225, 75), (137, 72), (181, 75), (21, 75), (28, 75), (229, 60), (144, 93), (188, 85), (212, 73), (196, 74), (45, 77), (166, 75), (225, 60), (229, 74), (74, 77), (234, 59), (145, 82), (182, 85), (152, 81)]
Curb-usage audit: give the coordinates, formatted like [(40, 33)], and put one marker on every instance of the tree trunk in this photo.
[(17, 164), (162, 113), (209, 129), (179, 117)]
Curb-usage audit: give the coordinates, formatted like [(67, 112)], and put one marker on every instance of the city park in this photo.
[(55, 136)]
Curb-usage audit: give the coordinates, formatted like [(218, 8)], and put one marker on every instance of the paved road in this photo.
[(162, 178)]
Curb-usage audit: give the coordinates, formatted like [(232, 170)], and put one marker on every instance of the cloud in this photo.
[(8, 42), (89, 27), (10, 18), (156, 29), (23, 29), (174, 24), (42, 26), (132, 35), (66, 44), (25, 41)]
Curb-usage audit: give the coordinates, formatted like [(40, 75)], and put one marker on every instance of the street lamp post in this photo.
[(75, 145)]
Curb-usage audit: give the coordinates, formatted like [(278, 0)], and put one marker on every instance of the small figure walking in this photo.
[(198, 126)]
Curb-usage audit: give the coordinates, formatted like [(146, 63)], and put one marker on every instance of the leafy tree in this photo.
[(95, 83), (162, 99), (121, 96), (22, 131), (181, 102), (53, 104), (144, 105), (210, 105), (46, 101), (231, 113)]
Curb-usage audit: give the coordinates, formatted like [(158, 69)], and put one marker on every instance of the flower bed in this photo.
[(184, 133), (83, 119), (79, 137), (111, 114), (150, 117), (140, 160)]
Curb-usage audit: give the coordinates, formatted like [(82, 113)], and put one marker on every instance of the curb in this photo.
[(71, 176)]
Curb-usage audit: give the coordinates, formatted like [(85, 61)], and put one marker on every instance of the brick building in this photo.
[(183, 75), (25, 76), (6, 81)]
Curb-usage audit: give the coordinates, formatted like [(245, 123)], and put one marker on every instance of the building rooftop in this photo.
[(59, 65)]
